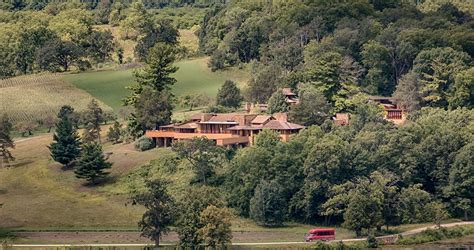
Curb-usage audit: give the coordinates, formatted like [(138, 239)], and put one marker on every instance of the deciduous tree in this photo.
[(216, 226), (6, 143)]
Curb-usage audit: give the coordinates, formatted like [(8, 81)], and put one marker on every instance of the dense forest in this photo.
[(342, 48)]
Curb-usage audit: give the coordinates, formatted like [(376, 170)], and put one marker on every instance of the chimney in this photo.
[(281, 117), (205, 117)]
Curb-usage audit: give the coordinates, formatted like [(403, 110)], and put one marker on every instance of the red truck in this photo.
[(322, 234)]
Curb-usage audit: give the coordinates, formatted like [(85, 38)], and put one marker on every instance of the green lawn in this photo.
[(193, 76)]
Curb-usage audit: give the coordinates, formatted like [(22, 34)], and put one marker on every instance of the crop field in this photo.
[(193, 76), (33, 97)]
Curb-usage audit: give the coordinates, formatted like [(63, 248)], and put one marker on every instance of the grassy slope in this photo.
[(33, 97), (193, 77)]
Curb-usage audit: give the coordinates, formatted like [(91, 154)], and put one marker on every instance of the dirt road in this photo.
[(133, 239)]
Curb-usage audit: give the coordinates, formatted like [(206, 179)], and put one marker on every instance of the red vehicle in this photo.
[(323, 234)]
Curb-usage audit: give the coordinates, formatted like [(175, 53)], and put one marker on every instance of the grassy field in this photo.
[(33, 97), (193, 76)]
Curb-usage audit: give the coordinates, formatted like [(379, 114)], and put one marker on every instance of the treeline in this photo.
[(367, 175), (342, 48), (15, 5)]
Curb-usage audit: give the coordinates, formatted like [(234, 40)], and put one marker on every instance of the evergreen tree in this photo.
[(5, 141), (277, 103), (115, 133), (229, 95), (159, 65), (66, 146), (92, 163), (93, 117)]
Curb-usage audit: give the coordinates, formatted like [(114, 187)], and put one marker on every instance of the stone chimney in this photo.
[(205, 117)]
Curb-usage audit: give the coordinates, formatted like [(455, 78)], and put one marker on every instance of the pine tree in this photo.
[(115, 133), (66, 146), (93, 117), (5, 141), (229, 95), (92, 163)]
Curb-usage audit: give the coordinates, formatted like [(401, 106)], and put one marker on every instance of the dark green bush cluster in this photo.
[(437, 234), (144, 143)]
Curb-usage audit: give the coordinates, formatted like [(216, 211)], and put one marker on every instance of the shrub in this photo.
[(144, 143), (372, 242)]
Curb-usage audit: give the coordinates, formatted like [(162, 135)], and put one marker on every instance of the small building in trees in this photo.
[(232, 129), (393, 112), (290, 97)]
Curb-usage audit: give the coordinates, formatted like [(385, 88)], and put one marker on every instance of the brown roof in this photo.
[(261, 119), (223, 118), (188, 125), (245, 127), (274, 124)]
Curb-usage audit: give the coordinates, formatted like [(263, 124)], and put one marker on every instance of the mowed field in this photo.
[(193, 77), (33, 97)]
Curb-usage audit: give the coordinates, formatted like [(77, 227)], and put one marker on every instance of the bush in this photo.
[(431, 235), (144, 143), (372, 242)]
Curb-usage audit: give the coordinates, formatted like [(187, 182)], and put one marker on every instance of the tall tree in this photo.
[(164, 32), (93, 117), (57, 55), (154, 108), (92, 163), (462, 93), (203, 155), (277, 103), (157, 72), (159, 214), (407, 93), (216, 226), (5, 141), (313, 108), (229, 95), (267, 206), (66, 146)]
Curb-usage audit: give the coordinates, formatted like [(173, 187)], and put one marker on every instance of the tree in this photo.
[(57, 55), (203, 155), (66, 146), (313, 108), (5, 140), (277, 103), (193, 100), (156, 74), (229, 95), (437, 68), (461, 180), (92, 118), (412, 204), (49, 122), (115, 133), (165, 32), (407, 93), (159, 214), (92, 163), (264, 83), (267, 139), (462, 93), (98, 45), (267, 206), (216, 226), (437, 212), (154, 108), (192, 203)]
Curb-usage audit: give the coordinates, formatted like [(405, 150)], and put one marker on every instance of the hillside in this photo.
[(34, 97), (193, 76)]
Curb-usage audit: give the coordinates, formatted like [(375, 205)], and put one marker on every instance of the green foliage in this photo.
[(437, 212), (462, 94), (66, 145), (277, 103), (267, 206), (163, 32), (191, 206), (154, 108), (216, 229), (229, 95), (156, 73), (6, 143), (92, 163), (92, 118), (408, 92), (203, 155), (160, 212), (144, 143), (115, 133), (263, 84), (313, 108), (267, 139), (432, 235), (372, 242)]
